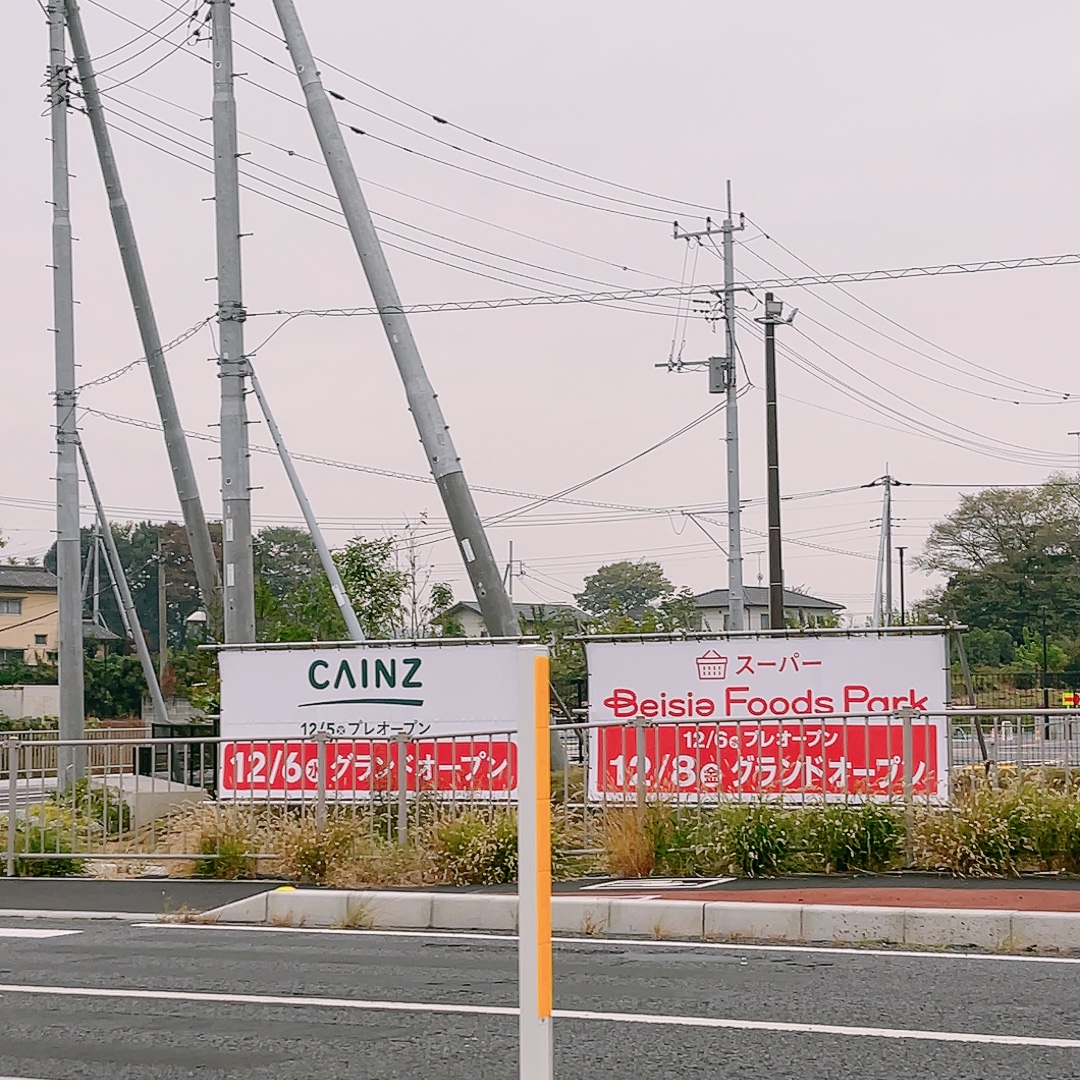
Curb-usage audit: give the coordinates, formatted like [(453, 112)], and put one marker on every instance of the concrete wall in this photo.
[(21, 702)]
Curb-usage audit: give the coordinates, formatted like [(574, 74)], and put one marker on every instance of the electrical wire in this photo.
[(995, 378)]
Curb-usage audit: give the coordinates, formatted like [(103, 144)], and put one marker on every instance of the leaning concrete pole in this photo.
[(68, 554), (445, 465), (187, 490), (337, 586), (127, 603), (233, 368)]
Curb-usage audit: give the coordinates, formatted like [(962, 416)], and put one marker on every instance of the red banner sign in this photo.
[(767, 758), (283, 768)]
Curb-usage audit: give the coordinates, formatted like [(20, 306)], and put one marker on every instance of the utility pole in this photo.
[(233, 367), (95, 602), (123, 596), (187, 490), (887, 526), (883, 592), (337, 587), (773, 317), (68, 544), (903, 605), (722, 380), (162, 612), (445, 464)]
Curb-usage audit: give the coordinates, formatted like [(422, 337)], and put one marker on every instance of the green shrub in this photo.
[(98, 806), (759, 838), (38, 839), (866, 836), (477, 848)]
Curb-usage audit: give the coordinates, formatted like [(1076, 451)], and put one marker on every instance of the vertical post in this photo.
[(13, 747), (427, 413), (736, 591), (127, 604), (402, 789), (510, 573), (887, 526), (337, 587), (534, 868), (776, 565), (68, 546), (187, 489), (233, 368), (162, 612), (903, 603), (642, 766), (320, 780), (95, 601), (906, 716)]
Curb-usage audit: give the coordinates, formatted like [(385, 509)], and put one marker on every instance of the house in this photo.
[(30, 619), (800, 608), (466, 615), (29, 615)]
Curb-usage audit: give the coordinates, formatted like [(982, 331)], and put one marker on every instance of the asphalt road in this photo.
[(92, 1003)]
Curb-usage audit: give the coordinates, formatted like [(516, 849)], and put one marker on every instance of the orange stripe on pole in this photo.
[(543, 838)]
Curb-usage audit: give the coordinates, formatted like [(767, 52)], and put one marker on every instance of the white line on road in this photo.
[(23, 932), (562, 1014), (640, 943)]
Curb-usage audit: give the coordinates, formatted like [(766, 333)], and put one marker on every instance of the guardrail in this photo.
[(153, 799)]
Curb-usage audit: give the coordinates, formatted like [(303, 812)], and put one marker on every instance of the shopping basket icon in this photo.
[(711, 665)]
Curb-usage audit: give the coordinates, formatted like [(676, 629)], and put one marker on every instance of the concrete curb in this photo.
[(677, 919)]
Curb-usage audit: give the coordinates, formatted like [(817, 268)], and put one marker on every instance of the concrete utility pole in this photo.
[(774, 310), (434, 434), (722, 380), (187, 490), (233, 368), (162, 613), (883, 591), (68, 546), (123, 591), (337, 587)]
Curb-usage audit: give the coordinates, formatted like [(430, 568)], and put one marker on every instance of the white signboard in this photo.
[(379, 705), (762, 716)]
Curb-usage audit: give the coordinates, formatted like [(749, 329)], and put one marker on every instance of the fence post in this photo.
[(13, 755), (639, 773), (907, 714), (320, 781), (402, 789)]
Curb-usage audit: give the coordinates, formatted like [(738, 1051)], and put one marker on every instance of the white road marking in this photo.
[(666, 943), (659, 1019), (23, 932)]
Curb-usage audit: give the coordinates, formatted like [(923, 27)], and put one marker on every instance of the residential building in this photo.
[(466, 614), (29, 614), (801, 609), (30, 619)]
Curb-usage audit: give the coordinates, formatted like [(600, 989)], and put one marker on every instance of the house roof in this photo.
[(758, 596), (27, 578), (91, 631), (527, 611)]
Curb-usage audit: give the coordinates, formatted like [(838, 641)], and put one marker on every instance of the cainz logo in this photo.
[(366, 674)]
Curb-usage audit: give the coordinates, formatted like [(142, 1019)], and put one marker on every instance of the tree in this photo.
[(1011, 557), (623, 589)]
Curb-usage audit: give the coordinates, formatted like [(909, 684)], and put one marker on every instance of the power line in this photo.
[(991, 377), (985, 266)]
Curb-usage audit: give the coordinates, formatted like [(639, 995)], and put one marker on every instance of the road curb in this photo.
[(655, 918)]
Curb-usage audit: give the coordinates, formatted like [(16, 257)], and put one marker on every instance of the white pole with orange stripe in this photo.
[(534, 866)]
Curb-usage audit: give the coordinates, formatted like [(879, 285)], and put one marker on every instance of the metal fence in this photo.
[(156, 800)]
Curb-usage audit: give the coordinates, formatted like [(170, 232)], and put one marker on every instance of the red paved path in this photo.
[(1008, 899)]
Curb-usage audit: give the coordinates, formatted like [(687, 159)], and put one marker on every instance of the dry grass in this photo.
[(629, 851)]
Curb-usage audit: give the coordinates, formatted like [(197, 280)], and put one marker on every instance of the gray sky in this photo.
[(857, 136)]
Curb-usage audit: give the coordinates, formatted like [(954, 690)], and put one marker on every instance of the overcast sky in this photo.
[(857, 136)]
